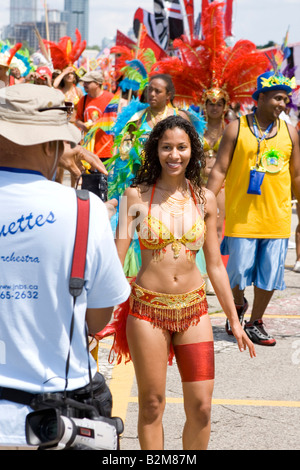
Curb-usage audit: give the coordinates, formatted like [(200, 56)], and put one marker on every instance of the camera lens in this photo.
[(48, 429)]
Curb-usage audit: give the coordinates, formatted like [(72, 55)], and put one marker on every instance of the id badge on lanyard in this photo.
[(257, 172)]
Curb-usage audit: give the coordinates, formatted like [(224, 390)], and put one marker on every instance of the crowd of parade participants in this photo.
[(202, 159)]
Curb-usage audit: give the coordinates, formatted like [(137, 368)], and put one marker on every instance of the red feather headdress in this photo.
[(66, 52), (209, 69)]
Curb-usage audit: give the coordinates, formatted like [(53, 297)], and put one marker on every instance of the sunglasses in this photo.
[(68, 108)]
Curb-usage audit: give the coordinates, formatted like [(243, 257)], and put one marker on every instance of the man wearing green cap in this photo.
[(260, 159)]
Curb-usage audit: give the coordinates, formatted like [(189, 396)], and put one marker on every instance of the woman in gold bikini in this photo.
[(167, 311)]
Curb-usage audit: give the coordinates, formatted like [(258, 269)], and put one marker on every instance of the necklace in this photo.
[(214, 133), (267, 129), (174, 205), (212, 137), (159, 116)]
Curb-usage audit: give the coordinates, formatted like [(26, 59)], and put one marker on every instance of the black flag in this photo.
[(175, 18)]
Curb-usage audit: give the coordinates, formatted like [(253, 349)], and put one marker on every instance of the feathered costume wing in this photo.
[(134, 72), (145, 57), (66, 52), (7, 53), (135, 75)]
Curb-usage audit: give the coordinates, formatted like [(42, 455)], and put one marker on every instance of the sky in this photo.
[(259, 21)]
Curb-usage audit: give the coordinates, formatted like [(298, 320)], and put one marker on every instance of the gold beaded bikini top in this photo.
[(207, 146), (154, 235)]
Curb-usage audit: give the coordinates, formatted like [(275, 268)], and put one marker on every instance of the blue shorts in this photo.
[(258, 261)]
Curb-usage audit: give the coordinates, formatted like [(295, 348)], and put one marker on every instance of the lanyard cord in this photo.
[(262, 137)]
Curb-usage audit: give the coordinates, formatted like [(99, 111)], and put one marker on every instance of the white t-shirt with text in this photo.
[(37, 232)]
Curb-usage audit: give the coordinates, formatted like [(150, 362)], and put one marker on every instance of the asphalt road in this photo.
[(256, 402)]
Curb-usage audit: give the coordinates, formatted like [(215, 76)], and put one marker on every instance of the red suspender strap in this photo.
[(80, 245)]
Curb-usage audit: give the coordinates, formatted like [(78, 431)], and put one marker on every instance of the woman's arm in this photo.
[(218, 275)]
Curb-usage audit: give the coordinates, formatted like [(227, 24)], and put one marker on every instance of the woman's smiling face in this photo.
[(215, 110), (174, 151)]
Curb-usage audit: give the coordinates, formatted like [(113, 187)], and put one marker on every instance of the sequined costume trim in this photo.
[(173, 312)]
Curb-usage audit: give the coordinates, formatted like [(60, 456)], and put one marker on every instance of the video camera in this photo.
[(63, 423)]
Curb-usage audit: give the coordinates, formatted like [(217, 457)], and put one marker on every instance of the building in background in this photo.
[(26, 16), (25, 32), (22, 12), (76, 15)]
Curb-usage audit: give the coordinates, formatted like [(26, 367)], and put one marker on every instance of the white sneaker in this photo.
[(296, 268)]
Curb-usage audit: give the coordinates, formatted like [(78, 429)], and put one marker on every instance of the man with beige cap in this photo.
[(37, 232)]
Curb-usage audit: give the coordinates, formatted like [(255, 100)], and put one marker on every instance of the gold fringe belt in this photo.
[(173, 312)]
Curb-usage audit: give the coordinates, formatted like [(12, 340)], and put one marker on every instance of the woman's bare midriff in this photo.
[(169, 275)]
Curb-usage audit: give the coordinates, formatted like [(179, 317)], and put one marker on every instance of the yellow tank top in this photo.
[(258, 216)]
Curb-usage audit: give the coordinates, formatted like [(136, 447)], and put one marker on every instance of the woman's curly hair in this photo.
[(150, 169)]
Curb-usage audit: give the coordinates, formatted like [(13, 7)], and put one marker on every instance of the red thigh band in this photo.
[(196, 361)]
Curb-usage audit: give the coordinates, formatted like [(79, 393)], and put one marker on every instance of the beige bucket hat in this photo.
[(34, 114)]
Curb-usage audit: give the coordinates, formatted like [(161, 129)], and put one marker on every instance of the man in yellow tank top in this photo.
[(260, 158)]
